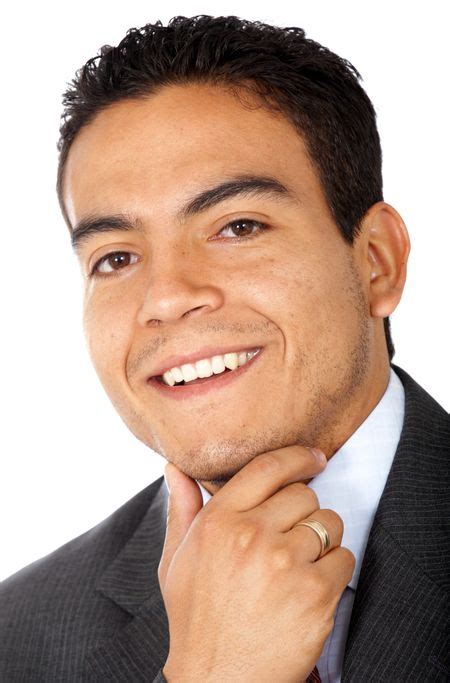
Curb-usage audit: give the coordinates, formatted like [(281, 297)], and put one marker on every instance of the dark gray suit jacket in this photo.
[(93, 610)]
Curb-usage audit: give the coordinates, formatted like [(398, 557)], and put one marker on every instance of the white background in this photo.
[(67, 459)]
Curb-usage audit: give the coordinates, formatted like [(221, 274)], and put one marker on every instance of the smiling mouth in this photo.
[(199, 380), (206, 369), (192, 388)]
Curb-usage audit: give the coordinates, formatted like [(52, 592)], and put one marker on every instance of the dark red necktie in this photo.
[(314, 676)]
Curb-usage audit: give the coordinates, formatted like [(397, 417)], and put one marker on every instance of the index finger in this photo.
[(266, 474)]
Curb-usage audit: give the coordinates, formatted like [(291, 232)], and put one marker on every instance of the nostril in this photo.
[(192, 310)]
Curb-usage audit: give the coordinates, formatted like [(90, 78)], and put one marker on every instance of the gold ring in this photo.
[(322, 533)]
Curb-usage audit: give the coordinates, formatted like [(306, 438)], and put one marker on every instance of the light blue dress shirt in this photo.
[(351, 485)]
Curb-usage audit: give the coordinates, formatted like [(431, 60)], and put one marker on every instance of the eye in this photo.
[(107, 263), (244, 228)]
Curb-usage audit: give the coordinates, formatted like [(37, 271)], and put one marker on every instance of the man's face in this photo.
[(295, 289)]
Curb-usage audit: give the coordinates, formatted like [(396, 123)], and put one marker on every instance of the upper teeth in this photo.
[(207, 367)]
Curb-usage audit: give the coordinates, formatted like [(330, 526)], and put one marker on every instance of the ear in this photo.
[(385, 249)]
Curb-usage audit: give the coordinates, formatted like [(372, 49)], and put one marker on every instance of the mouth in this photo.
[(202, 385)]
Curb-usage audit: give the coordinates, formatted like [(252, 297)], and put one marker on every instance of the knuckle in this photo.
[(304, 490), (246, 532), (312, 495), (336, 521), (282, 559), (349, 558)]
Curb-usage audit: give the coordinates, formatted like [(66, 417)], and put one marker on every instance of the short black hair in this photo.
[(318, 91)]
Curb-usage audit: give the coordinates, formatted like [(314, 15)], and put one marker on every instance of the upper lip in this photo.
[(205, 352)]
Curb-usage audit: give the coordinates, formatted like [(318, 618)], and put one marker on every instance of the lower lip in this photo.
[(190, 390)]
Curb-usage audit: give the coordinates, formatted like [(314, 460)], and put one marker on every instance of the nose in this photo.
[(177, 287)]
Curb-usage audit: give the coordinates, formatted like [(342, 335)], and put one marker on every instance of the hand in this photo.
[(245, 596)]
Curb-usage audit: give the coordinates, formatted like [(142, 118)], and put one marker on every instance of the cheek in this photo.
[(108, 327), (313, 300), (287, 288)]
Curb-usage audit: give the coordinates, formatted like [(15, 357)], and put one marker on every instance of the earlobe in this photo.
[(388, 248)]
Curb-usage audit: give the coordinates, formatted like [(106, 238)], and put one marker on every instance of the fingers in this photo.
[(337, 567), (289, 505), (265, 475), (184, 502), (307, 541)]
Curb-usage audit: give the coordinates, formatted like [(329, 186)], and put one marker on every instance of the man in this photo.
[(221, 181)]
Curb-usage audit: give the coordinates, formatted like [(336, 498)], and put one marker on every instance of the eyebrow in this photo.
[(242, 185)]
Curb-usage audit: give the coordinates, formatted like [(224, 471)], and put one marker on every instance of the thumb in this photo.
[(185, 501)]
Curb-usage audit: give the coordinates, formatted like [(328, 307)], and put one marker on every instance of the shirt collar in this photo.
[(354, 479)]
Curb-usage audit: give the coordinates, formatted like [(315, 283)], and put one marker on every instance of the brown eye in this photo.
[(113, 261), (243, 227)]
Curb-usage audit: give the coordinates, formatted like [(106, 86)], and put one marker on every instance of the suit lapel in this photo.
[(140, 649), (400, 608), (397, 626)]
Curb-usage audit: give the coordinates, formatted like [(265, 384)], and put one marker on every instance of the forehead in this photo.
[(161, 149)]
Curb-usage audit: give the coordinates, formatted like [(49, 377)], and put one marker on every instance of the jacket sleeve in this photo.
[(160, 678)]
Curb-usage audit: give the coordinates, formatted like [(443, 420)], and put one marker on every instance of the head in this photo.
[(221, 181)]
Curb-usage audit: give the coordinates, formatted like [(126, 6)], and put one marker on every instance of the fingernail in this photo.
[(319, 455)]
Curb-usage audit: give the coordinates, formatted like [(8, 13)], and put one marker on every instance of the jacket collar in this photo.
[(400, 602), (399, 612), (140, 649), (131, 580)]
